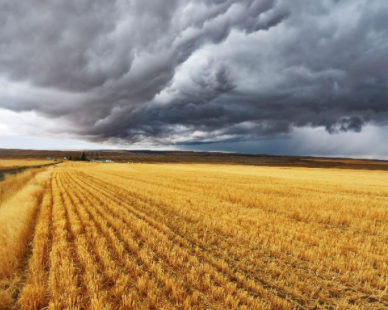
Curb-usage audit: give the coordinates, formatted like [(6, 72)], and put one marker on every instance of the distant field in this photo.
[(196, 236), (126, 156), (6, 164)]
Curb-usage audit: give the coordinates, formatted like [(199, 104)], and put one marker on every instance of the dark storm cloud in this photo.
[(179, 71)]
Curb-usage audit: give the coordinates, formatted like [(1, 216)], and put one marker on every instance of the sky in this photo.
[(255, 76)]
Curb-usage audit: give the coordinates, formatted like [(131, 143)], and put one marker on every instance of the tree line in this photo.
[(82, 157)]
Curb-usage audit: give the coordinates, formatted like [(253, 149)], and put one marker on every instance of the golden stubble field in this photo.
[(195, 236)]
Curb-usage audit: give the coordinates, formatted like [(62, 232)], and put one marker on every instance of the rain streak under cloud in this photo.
[(197, 73)]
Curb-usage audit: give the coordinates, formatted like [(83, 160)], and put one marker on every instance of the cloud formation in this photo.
[(195, 71)]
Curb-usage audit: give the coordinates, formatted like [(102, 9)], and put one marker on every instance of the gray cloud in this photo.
[(196, 71)]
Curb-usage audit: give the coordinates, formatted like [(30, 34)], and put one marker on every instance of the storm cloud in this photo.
[(199, 71)]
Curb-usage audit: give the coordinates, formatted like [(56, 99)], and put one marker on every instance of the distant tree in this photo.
[(70, 157), (83, 156)]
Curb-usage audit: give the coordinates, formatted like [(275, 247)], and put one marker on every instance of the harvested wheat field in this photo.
[(195, 236)]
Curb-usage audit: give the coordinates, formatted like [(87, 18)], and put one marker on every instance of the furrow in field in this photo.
[(337, 288), (248, 183), (240, 195), (331, 287), (301, 238), (97, 297), (268, 185), (195, 245), (63, 283), (304, 242), (108, 265), (174, 286), (219, 270), (134, 287), (341, 287), (218, 261)]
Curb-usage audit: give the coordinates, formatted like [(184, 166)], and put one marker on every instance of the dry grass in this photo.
[(11, 183), (17, 216), (6, 164), (196, 236), (14, 182)]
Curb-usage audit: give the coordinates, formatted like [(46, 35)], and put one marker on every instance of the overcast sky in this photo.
[(258, 76)]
